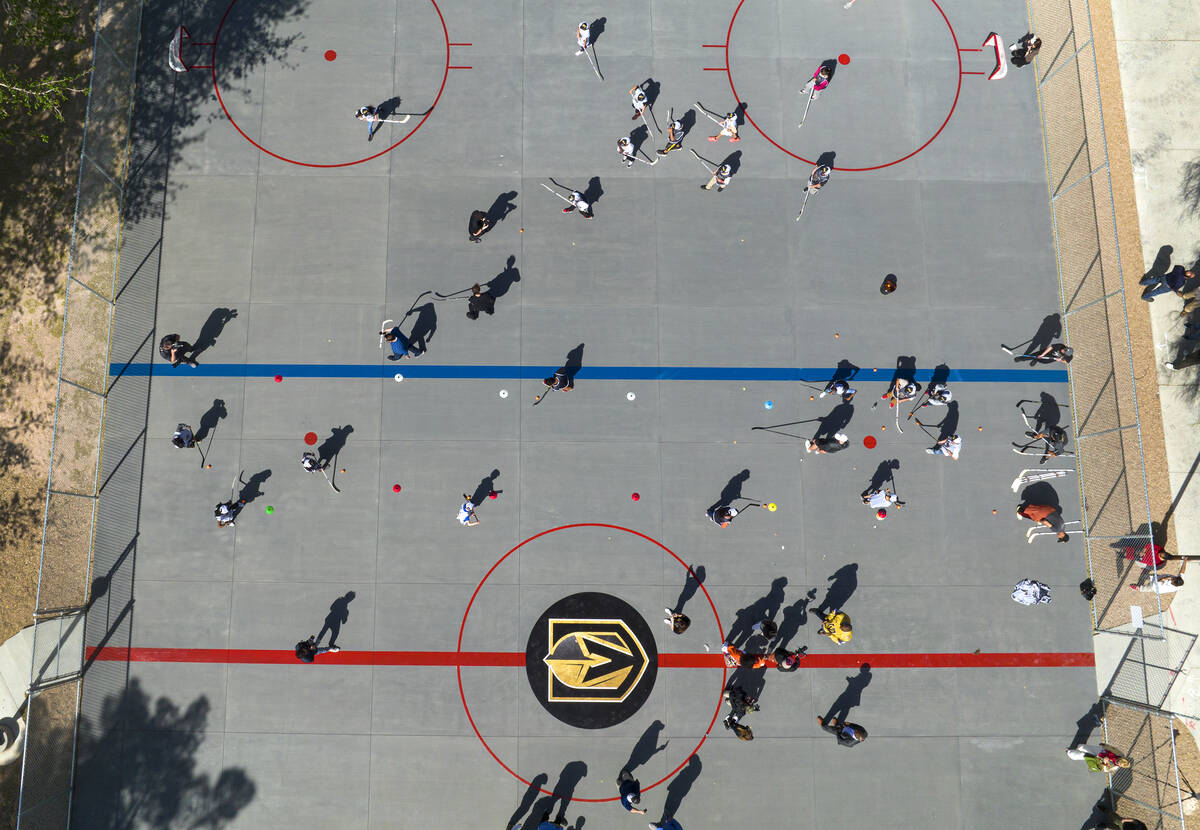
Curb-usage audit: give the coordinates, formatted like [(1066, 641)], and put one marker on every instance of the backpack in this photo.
[(1088, 589)]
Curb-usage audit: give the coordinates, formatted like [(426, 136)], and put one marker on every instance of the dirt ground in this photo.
[(37, 203)]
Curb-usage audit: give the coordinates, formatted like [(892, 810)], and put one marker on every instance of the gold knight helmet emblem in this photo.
[(593, 661)]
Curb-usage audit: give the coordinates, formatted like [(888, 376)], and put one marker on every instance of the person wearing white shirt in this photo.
[(1161, 583)]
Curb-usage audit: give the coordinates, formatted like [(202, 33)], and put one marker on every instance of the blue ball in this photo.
[(769, 405)]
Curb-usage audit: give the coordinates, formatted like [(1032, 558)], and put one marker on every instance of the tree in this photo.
[(32, 82)]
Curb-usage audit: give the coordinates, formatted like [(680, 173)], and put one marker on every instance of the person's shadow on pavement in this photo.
[(339, 613)]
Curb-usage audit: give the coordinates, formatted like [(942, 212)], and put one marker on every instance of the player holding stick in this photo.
[(575, 202), (728, 125), (628, 155), (640, 102), (816, 180), (675, 134), (583, 36), (720, 174)]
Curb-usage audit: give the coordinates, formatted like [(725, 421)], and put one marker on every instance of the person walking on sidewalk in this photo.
[(847, 734), (1162, 583), (1175, 280), (307, 650)]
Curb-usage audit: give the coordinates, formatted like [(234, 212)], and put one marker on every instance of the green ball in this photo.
[(270, 509)]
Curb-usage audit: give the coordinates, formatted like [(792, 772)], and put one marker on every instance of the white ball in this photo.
[(629, 396), (399, 377), (504, 393)]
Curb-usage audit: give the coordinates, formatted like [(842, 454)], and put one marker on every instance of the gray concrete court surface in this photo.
[(284, 265)]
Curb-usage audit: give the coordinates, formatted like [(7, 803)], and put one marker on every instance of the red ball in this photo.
[(635, 497), (881, 514), (395, 488), (493, 494), (279, 378)]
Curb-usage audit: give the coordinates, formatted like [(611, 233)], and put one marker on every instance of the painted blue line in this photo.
[(411, 369)]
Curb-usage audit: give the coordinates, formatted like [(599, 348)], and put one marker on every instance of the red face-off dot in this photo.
[(310, 438), (331, 55), (869, 442), (843, 58)]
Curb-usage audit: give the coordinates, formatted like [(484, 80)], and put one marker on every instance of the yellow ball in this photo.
[(772, 507)]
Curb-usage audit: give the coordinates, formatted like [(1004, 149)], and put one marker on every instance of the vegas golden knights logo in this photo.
[(592, 661)]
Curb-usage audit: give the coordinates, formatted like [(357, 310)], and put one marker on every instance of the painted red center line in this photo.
[(916, 660)]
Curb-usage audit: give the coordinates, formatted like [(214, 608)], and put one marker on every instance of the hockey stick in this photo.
[(329, 480), (595, 68), (918, 405), (414, 305), (925, 428), (452, 296), (806, 106), (709, 114), (1025, 450), (703, 163), (898, 427), (1031, 476), (653, 118), (556, 193), (539, 398), (802, 204), (383, 327), (643, 161), (647, 123), (1041, 530)]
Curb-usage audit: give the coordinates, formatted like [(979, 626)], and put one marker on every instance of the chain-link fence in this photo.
[(1112, 475), (1119, 533), (75, 486)]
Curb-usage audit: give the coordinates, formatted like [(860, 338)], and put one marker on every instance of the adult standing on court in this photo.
[(478, 225), (630, 791), (847, 734), (176, 350), (950, 446), (720, 177), (1045, 515), (818, 178), (480, 301)]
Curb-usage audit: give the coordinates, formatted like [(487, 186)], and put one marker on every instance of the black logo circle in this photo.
[(591, 660)]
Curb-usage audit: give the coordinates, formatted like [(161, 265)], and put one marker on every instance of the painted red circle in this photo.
[(411, 133), (869, 442), (463, 695), (331, 55), (778, 146), (310, 438), (844, 59)]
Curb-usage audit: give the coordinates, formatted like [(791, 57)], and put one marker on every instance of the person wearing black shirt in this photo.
[(478, 225)]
